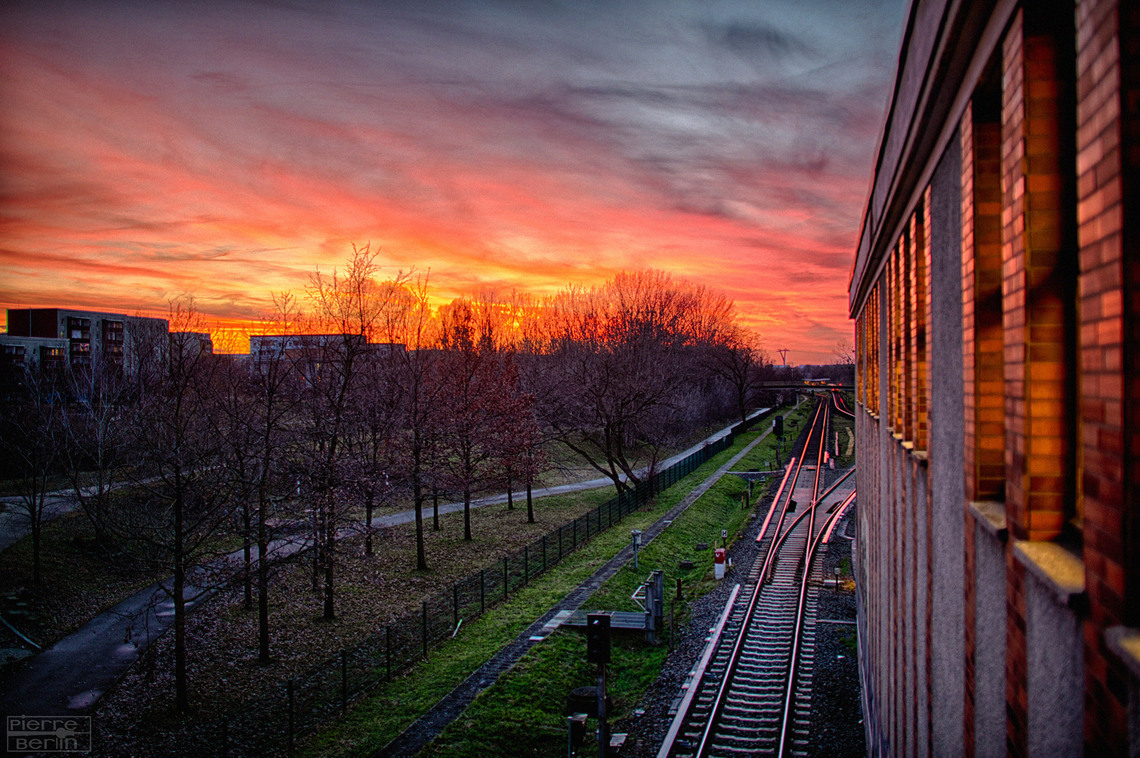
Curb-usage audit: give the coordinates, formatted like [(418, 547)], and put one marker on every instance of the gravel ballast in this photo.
[(836, 725)]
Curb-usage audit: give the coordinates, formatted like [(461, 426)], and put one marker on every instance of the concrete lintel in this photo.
[(1057, 568), (1124, 642), (991, 515)]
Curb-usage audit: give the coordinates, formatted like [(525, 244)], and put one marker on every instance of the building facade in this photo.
[(997, 310), (264, 347), (33, 353), (92, 335)]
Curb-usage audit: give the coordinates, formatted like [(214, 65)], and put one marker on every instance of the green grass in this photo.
[(845, 426), (395, 705), (522, 713)]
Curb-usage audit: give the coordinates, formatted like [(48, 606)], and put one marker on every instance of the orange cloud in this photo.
[(151, 153)]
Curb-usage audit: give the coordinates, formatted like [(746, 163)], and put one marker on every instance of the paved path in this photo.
[(70, 676), (14, 521), (431, 724)]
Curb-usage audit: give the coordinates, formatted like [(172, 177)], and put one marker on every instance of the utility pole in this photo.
[(783, 356)]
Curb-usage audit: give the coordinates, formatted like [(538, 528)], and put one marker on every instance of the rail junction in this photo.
[(750, 693)]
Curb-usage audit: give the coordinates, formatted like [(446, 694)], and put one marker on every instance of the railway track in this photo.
[(752, 693)]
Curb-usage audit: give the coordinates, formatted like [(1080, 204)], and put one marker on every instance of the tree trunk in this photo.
[(330, 566), (37, 529), (318, 550), (466, 514), (247, 548), (421, 555), (418, 499), (181, 688), (36, 522), (368, 523), (262, 585), (529, 502)]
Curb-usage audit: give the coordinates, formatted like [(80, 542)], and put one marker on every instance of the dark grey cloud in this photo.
[(762, 41)]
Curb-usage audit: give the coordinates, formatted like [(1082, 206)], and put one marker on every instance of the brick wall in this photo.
[(982, 306), (1108, 309), (920, 317), (1037, 278)]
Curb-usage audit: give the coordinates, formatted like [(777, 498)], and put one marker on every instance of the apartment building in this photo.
[(89, 335), (33, 353)]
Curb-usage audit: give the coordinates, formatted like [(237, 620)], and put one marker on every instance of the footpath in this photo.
[(431, 724), (70, 676)]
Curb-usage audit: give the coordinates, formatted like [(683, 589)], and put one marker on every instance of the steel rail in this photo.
[(734, 656), (842, 507), (698, 672), (840, 406), (815, 503), (775, 501), (770, 555), (805, 577)]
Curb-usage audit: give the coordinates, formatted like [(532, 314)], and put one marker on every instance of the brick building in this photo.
[(995, 293)]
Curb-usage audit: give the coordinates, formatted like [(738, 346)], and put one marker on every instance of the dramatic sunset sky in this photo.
[(225, 150)]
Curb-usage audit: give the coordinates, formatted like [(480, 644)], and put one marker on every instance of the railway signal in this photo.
[(598, 638), (598, 651)]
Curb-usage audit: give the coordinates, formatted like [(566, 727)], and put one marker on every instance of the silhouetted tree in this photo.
[(618, 358), (738, 361), (479, 401), (349, 309), (97, 438), (416, 373), (180, 471), (274, 387), (32, 437)]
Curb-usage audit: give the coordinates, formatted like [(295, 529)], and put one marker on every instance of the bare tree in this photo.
[(521, 445), (738, 360), (479, 400), (617, 359), (240, 440), (376, 406), (409, 323), (96, 437), (274, 387), (844, 353), (350, 309), (180, 472), (32, 437)]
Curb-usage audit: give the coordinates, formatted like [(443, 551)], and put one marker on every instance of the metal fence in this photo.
[(272, 724)]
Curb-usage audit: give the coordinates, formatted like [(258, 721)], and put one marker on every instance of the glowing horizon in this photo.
[(149, 152)]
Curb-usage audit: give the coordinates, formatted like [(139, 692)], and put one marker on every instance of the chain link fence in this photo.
[(273, 723)]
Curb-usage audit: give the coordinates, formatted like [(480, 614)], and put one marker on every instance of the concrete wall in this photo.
[(947, 643)]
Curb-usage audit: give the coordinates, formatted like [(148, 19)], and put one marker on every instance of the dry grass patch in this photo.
[(78, 580), (371, 592)]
